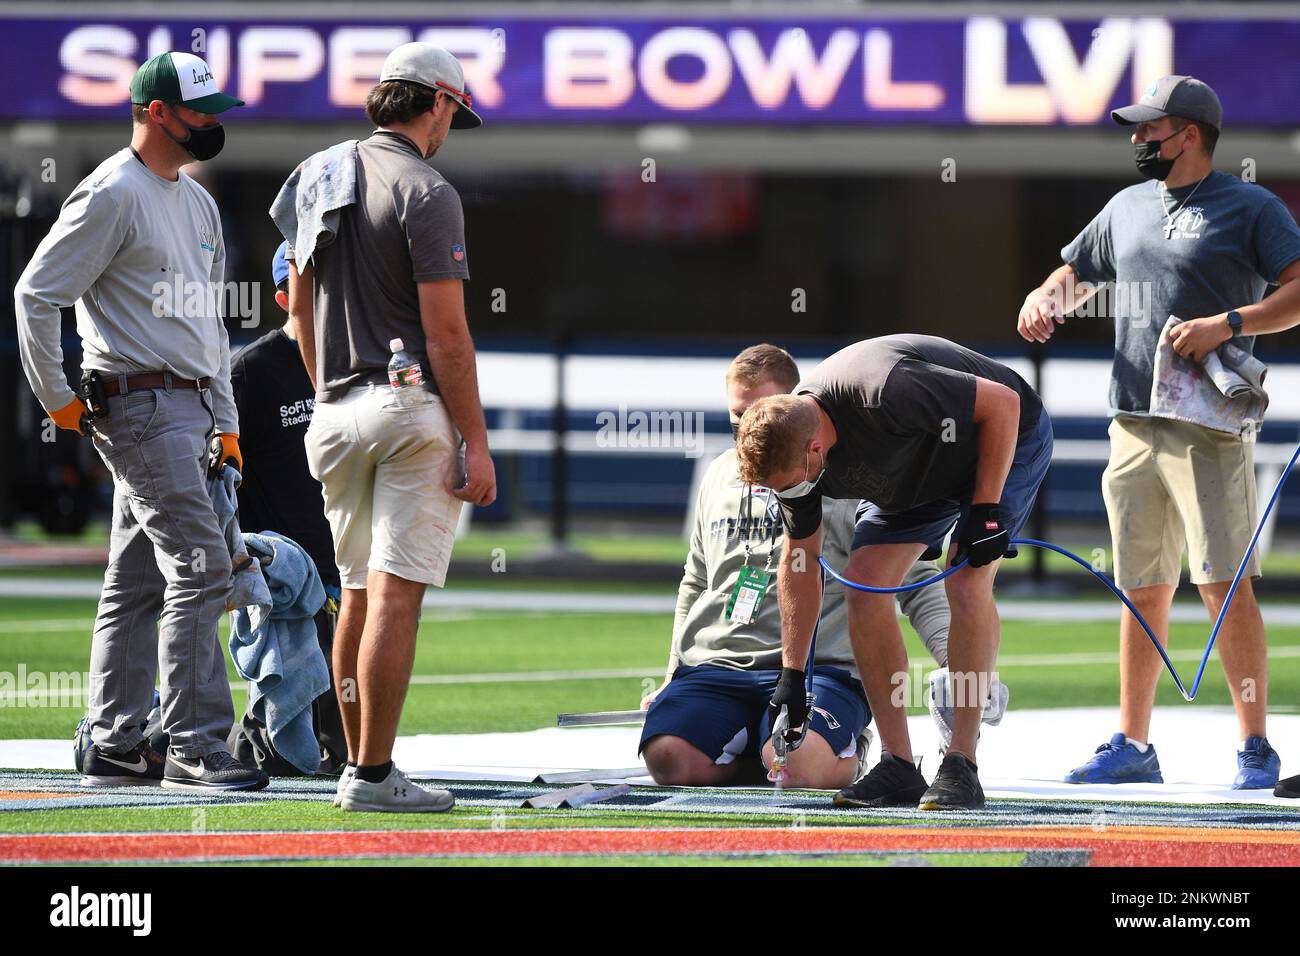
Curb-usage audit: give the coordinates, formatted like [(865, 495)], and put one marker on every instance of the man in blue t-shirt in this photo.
[(1203, 246)]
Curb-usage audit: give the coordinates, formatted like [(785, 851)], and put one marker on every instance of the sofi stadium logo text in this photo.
[(76, 909)]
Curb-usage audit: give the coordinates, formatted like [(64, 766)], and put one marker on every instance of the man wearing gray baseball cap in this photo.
[(376, 297), (433, 68), (1202, 246)]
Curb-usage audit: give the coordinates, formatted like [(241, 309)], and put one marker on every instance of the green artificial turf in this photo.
[(50, 636)]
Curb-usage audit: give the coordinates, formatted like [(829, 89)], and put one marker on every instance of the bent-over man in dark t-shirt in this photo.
[(275, 402), (932, 435)]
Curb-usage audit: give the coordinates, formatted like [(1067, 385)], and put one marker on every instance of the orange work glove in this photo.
[(230, 450), (69, 416)]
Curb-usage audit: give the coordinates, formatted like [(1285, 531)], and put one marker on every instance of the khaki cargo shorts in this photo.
[(1172, 487), (382, 466)]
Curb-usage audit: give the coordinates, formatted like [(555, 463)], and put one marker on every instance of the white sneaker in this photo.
[(345, 778), (396, 794), (996, 706), (863, 752)]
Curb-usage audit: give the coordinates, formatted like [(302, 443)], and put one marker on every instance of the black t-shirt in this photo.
[(275, 402), (903, 409)]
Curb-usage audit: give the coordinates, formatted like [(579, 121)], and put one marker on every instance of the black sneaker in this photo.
[(216, 771), (956, 786), (892, 783), (141, 767), (1288, 788)]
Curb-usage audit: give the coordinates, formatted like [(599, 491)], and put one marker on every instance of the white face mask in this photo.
[(806, 486)]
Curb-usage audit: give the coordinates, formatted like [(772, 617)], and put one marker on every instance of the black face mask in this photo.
[(735, 430), (204, 142), (1149, 162)]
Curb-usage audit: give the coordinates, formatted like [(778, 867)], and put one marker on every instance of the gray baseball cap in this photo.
[(1183, 96), (434, 67)]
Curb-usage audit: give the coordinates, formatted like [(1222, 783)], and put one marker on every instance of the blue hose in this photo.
[(812, 646), (1106, 580)]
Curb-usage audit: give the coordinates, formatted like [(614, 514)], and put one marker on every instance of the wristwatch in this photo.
[(1234, 322)]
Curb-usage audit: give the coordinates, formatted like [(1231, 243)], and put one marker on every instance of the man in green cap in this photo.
[(132, 243)]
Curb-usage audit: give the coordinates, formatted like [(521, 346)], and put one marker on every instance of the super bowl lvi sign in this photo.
[(831, 69), (1073, 90), (600, 68)]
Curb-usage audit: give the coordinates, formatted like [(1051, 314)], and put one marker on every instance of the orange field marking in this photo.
[(35, 795)]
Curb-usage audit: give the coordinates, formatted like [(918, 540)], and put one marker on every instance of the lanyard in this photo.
[(751, 583), (745, 524)]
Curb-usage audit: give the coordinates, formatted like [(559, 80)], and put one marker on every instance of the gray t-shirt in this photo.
[(903, 407), (406, 227), (701, 632), (1229, 241)]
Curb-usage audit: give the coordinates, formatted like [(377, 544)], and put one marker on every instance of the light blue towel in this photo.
[(247, 586), (306, 211), (274, 646)]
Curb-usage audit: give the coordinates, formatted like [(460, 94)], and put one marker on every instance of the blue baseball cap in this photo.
[(1183, 96), (280, 265)]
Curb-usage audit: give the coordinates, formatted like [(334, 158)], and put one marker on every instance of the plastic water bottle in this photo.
[(405, 374)]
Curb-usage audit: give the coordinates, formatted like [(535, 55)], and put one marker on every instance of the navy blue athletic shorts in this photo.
[(929, 523), (722, 711)]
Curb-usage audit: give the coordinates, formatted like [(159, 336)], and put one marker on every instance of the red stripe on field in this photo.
[(1117, 846)]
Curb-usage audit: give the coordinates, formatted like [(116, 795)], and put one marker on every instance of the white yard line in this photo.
[(19, 698), (506, 677), (1288, 651), (70, 697), (68, 625), (74, 625), (574, 602), (605, 602)]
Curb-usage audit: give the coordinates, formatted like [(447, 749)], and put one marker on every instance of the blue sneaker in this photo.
[(1118, 761), (1258, 765)]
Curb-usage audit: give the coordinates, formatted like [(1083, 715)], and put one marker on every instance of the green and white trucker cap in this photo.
[(179, 78)]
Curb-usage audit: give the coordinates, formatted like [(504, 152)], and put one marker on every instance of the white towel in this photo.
[(306, 211), (1225, 393)]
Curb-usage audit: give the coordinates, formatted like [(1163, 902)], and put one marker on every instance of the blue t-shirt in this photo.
[(1230, 241)]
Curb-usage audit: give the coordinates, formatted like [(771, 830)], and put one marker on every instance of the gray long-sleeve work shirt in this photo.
[(143, 260)]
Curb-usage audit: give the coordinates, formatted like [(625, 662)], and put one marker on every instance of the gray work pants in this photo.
[(167, 581)]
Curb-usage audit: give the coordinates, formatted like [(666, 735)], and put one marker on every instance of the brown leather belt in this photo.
[(113, 383)]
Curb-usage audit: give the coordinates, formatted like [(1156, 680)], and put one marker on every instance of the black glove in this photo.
[(215, 461), (792, 693), (218, 459), (982, 537)]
